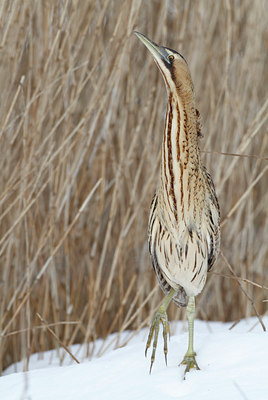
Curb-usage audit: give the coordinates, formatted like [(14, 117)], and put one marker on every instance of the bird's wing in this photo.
[(213, 222)]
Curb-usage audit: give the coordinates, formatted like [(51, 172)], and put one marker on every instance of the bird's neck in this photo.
[(181, 163)]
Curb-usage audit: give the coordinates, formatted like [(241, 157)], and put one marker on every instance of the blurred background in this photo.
[(82, 110)]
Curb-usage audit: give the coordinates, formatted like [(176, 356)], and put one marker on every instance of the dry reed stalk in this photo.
[(81, 122)]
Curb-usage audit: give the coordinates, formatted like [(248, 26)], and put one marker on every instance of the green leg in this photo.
[(160, 316), (189, 358)]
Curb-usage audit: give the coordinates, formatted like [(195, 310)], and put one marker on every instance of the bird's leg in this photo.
[(189, 358), (160, 316)]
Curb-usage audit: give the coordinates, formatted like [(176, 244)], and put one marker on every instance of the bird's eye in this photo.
[(171, 58)]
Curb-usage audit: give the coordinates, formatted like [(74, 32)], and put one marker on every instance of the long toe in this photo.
[(160, 317)]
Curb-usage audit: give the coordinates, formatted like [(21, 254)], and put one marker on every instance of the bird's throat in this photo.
[(180, 164)]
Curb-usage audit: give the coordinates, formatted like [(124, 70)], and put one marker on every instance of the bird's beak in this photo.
[(159, 53)]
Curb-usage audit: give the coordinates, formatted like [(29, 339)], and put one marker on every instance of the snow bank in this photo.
[(234, 365)]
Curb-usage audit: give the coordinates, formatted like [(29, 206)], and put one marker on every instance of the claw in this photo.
[(151, 366), (160, 316), (166, 358)]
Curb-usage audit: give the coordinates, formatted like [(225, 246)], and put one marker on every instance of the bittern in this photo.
[(184, 221)]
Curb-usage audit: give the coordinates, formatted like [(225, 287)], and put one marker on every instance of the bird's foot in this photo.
[(190, 362), (160, 316)]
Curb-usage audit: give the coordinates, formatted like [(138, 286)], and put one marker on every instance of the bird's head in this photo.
[(172, 65)]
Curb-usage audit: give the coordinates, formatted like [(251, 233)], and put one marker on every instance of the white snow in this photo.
[(234, 365)]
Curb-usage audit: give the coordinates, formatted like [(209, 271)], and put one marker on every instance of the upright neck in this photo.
[(180, 150)]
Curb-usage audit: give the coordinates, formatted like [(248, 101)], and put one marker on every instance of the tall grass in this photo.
[(81, 122)]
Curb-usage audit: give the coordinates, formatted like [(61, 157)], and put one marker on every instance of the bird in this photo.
[(184, 219)]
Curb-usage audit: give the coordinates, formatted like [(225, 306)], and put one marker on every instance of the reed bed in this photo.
[(81, 122)]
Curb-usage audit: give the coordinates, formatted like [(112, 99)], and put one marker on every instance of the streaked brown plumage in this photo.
[(184, 222)]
